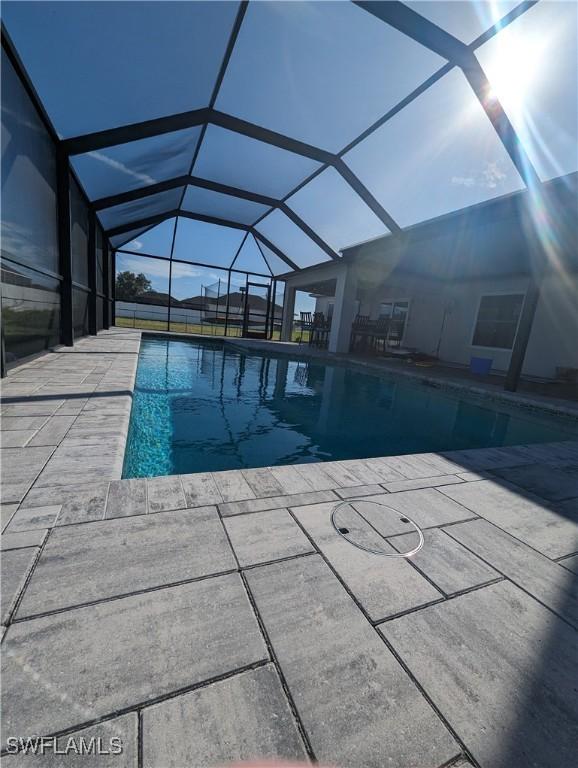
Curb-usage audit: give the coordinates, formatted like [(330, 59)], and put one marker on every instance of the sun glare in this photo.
[(514, 68)]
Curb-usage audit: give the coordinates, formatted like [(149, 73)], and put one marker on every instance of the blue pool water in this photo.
[(206, 406)]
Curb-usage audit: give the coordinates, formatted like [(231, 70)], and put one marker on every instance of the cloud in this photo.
[(160, 268), (118, 166), (151, 268), (493, 175), (463, 181), (183, 270), (134, 245), (490, 177)]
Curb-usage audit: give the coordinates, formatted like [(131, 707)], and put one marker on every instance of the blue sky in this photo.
[(188, 280), (319, 72)]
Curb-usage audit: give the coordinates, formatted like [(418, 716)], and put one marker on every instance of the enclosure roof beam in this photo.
[(501, 122), (239, 249), (362, 191), (111, 137), (125, 134), (181, 181), (518, 10), (258, 236), (441, 42), (160, 217), (152, 189), (308, 231), (241, 11), (420, 29), (259, 246), (150, 221)]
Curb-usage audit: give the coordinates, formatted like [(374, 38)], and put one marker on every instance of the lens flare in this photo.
[(514, 69)]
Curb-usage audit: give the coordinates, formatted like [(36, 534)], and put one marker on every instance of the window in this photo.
[(396, 311), (497, 321)]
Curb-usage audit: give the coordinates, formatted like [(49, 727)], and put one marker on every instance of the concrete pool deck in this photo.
[(213, 617)]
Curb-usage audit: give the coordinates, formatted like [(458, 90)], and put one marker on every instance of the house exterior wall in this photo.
[(554, 338), (443, 267), (553, 341)]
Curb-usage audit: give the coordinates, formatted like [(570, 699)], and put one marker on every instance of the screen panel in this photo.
[(435, 156), (99, 313), (119, 240), (221, 206), (80, 308), (142, 291), (277, 265), (156, 241), (29, 223), (161, 43), (136, 164), (118, 215), (250, 258), (238, 161), (335, 212), (99, 245), (206, 243), (198, 299), (320, 72), (78, 234), (30, 311), (531, 66), (294, 243)]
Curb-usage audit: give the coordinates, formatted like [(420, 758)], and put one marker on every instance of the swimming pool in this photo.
[(206, 406)]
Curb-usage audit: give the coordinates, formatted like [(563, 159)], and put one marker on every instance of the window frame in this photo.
[(481, 297)]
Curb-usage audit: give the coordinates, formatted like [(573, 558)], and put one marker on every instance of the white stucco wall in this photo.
[(554, 338), (553, 341)]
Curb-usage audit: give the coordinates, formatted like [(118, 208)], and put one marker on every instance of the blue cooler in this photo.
[(481, 365)]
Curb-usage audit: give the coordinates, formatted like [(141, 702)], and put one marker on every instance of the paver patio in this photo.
[(215, 617)]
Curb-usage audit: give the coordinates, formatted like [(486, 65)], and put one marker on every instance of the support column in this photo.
[(92, 325), (65, 254), (106, 318), (273, 305), (343, 310), (288, 312), (523, 334), (112, 277)]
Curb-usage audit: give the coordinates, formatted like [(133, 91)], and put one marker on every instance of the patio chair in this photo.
[(381, 332), (306, 323), (361, 333), (320, 331), (395, 333)]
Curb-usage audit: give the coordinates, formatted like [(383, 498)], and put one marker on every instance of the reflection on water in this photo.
[(201, 406)]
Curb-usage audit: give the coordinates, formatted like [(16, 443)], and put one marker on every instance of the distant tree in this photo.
[(129, 286)]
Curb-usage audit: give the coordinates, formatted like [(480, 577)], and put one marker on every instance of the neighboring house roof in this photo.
[(204, 303)]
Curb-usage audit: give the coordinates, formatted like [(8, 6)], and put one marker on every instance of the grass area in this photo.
[(159, 325), (205, 329)]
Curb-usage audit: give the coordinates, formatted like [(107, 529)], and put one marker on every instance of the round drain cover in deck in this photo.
[(368, 525)]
